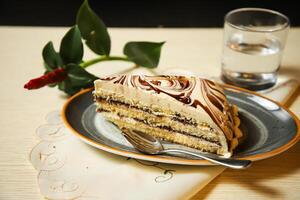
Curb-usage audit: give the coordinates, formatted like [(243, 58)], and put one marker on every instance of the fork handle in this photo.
[(228, 162)]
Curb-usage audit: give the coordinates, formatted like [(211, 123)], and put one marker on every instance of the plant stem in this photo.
[(103, 58)]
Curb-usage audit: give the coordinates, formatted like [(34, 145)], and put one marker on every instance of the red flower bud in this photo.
[(58, 75)]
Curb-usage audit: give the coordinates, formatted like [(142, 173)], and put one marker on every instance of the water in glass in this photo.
[(253, 62)]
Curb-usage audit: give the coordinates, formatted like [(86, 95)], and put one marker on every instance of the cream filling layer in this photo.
[(199, 130), (171, 136)]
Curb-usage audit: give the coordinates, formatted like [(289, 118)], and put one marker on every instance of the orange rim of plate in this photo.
[(256, 157)]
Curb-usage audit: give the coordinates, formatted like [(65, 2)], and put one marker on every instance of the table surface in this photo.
[(198, 50)]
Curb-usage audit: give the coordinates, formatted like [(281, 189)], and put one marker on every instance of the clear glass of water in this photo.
[(254, 39)]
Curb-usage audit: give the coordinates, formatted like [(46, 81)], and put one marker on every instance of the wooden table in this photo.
[(198, 50)]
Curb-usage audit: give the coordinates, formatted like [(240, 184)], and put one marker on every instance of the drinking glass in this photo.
[(254, 39)]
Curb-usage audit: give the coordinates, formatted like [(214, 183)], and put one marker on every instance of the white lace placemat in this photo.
[(70, 169)]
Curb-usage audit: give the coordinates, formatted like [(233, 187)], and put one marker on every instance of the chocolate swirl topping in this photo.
[(192, 91)]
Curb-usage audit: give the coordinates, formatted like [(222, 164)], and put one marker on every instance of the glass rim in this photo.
[(282, 27)]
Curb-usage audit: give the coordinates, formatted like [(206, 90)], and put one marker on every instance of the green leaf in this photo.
[(48, 68), (71, 48), (93, 30), (146, 54), (77, 79), (51, 58), (67, 87), (80, 77)]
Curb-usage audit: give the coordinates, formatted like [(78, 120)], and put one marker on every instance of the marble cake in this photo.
[(186, 110)]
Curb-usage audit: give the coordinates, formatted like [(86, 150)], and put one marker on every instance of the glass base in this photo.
[(251, 81)]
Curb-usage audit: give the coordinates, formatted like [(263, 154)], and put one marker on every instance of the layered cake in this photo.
[(186, 110)]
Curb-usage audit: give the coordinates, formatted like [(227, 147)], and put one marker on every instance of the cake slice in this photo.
[(186, 110)]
